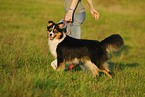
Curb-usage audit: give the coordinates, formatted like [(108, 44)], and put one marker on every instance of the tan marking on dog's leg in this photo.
[(61, 66), (92, 67), (104, 68)]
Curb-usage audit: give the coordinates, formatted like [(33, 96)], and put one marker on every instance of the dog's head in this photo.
[(55, 31)]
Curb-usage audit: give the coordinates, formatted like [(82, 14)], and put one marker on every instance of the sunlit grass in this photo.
[(25, 58)]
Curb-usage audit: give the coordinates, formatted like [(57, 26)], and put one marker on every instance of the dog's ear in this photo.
[(60, 25), (50, 23)]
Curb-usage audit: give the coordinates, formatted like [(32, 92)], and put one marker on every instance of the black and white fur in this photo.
[(68, 50)]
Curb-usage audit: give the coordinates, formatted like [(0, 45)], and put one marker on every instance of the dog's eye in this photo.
[(50, 29)]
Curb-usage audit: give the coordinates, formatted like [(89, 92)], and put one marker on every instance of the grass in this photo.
[(25, 58)]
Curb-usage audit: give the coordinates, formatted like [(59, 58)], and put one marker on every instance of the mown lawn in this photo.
[(25, 59)]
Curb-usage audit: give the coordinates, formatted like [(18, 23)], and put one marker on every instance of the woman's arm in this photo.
[(68, 16), (94, 13)]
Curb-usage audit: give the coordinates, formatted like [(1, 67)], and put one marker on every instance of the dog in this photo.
[(92, 53)]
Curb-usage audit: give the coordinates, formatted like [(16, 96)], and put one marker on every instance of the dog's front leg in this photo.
[(54, 64), (60, 64)]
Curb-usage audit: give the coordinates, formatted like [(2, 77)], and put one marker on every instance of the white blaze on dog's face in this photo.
[(51, 33), (54, 30)]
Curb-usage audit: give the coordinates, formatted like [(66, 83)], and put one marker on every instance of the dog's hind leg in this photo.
[(92, 67), (104, 68)]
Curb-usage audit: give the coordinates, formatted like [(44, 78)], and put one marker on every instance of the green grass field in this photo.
[(25, 59)]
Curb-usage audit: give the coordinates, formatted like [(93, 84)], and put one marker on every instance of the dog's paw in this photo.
[(54, 64)]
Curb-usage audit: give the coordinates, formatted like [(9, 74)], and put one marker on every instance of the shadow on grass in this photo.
[(120, 67)]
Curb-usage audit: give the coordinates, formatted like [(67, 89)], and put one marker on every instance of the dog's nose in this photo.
[(50, 34)]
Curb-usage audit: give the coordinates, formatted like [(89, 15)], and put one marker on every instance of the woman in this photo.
[(75, 13)]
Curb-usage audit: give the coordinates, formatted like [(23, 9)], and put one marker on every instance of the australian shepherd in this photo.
[(92, 53)]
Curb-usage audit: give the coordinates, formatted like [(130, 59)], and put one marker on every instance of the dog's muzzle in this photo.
[(51, 35)]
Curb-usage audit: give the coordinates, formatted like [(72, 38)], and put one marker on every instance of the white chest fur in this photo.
[(53, 45)]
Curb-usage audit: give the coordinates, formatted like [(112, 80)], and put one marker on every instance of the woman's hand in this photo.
[(69, 16), (95, 14)]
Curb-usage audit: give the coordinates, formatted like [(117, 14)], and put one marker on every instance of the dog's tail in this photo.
[(113, 42)]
